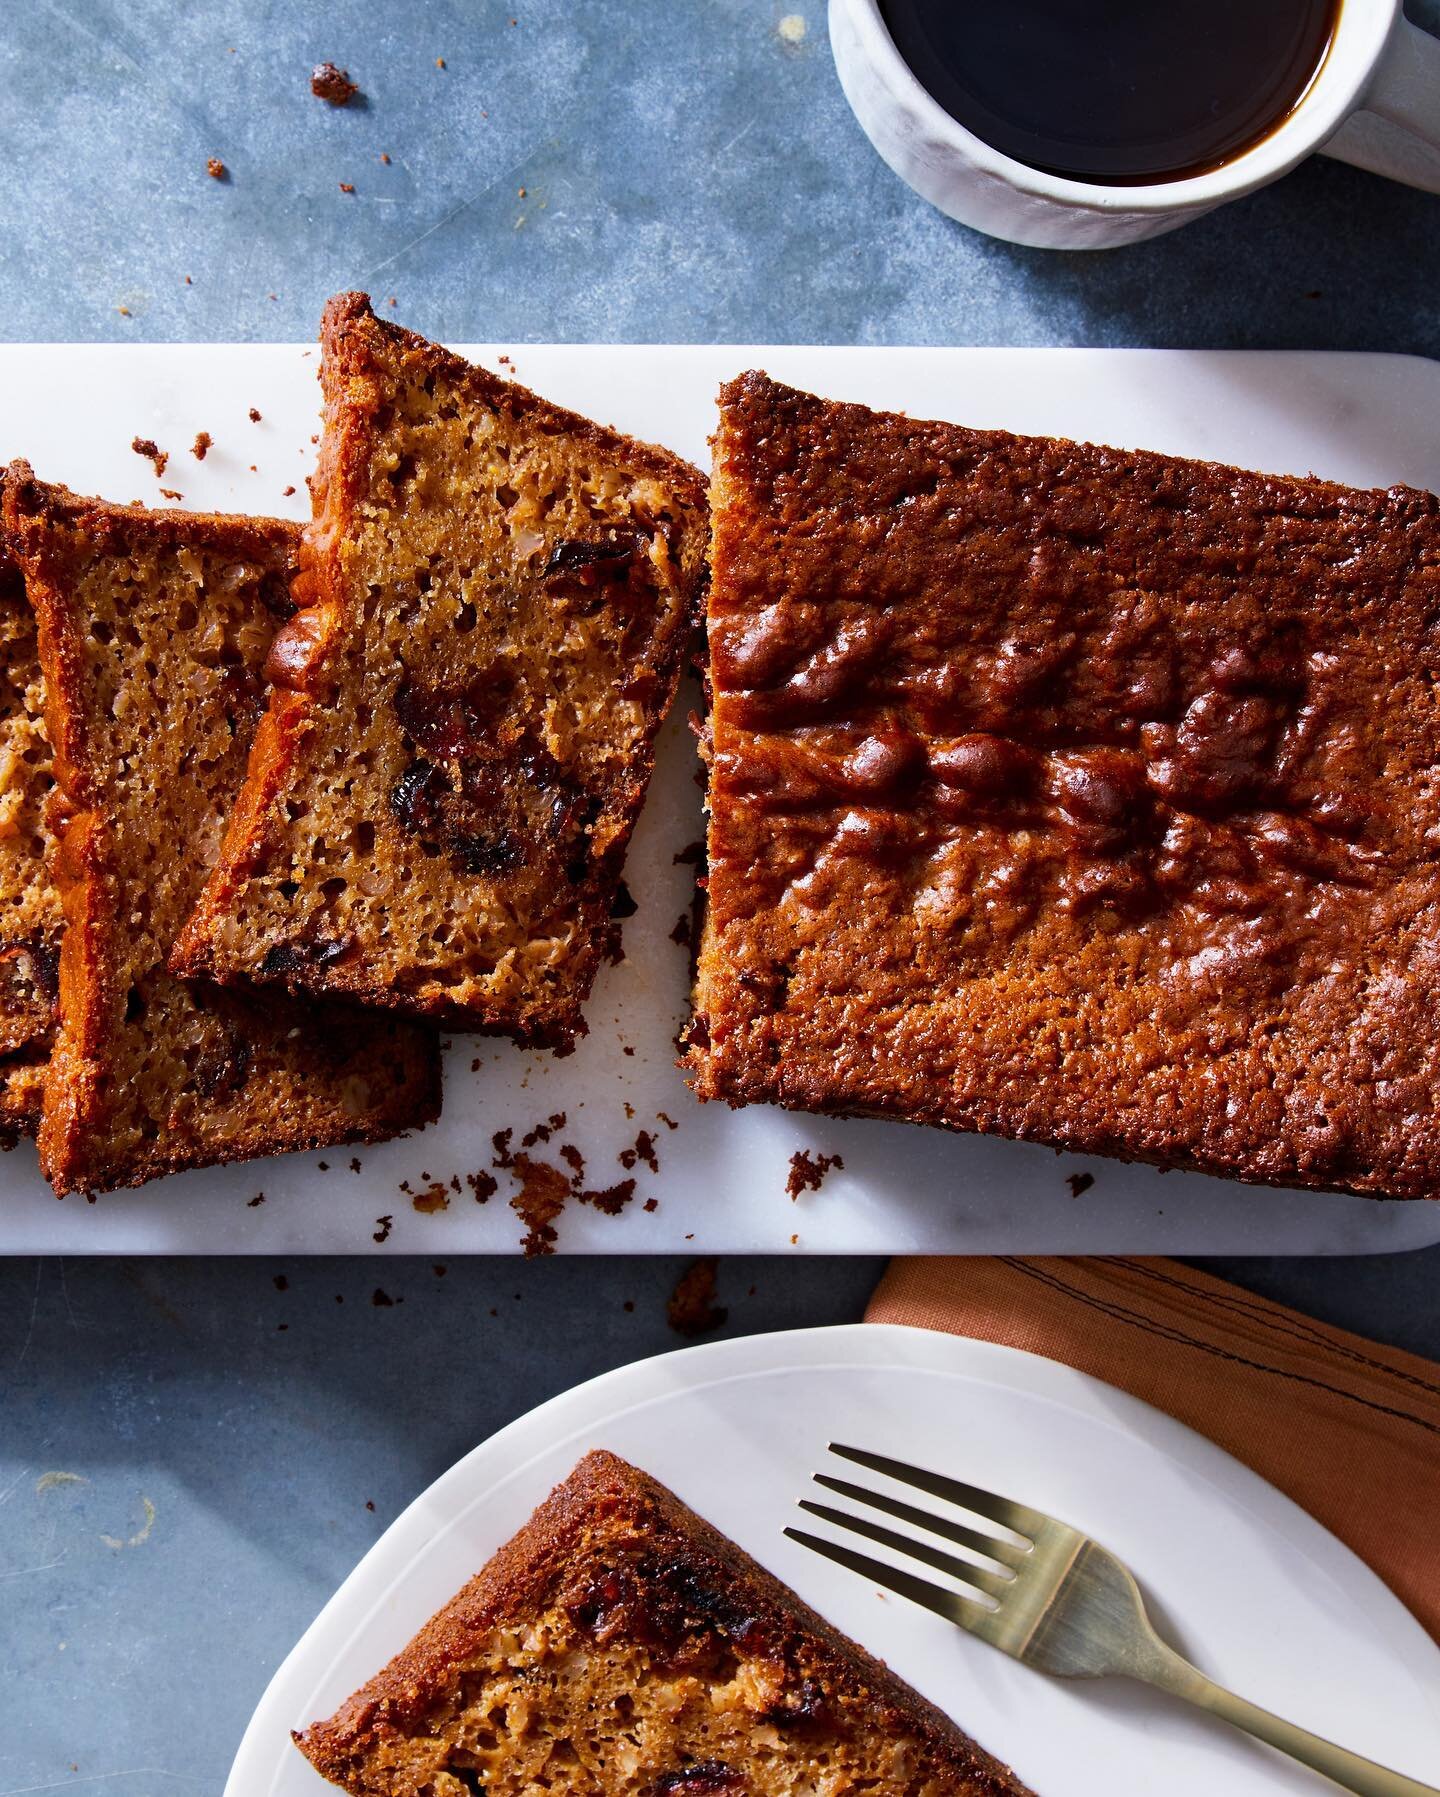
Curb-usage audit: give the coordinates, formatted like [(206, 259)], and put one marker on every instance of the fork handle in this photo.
[(1351, 1771)]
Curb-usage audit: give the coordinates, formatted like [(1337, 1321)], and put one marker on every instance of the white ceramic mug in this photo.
[(1375, 102)]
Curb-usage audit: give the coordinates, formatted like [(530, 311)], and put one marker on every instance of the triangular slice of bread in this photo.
[(30, 917), (497, 600), (154, 628), (619, 1645)]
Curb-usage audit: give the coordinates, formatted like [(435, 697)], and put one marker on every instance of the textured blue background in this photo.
[(688, 175)]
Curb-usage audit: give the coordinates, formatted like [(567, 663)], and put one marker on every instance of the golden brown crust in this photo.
[(684, 1579), (153, 630), (1072, 794), (442, 672), (30, 918)]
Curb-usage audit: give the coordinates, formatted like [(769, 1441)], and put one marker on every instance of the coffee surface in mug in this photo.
[(1116, 91)]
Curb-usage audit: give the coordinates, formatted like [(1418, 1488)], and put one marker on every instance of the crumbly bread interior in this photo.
[(1075, 794), (620, 1648), (497, 598), (154, 632), (30, 916)]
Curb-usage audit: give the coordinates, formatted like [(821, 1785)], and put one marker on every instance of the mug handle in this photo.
[(1396, 130)]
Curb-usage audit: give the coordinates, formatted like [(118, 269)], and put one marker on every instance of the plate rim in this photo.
[(531, 1435)]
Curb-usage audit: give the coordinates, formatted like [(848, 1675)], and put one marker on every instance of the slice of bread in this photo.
[(497, 599), (619, 1645), (154, 628), (30, 917)]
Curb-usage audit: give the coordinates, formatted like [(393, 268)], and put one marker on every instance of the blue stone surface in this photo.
[(190, 1451)]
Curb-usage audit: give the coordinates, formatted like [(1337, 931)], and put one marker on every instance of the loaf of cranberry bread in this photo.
[(1073, 794), (496, 602), (30, 918), (619, 1645), (154, 627)]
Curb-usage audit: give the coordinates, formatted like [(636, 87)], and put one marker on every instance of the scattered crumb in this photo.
[(520, 191), (573, 1159), (692, 1309), (692, 855), (539, 1201), (807, 1173), (281, 1328), (200, 448), (792, 28), (347, 187), (259, 1198), (217, 170), (323, 1166), (188, 281), (382, 1233), (680, 931), (385, 159), (285, 492), (332, 84), (794, 1241), (171, 493), (475, 1066), (629, 1304), (380, 1298), (435, 1197), (152, 452), (500, 1141), (623, 904), (124, 311), (651, 1204), (542, 1132), (483, 1185), (254, 415), (612, 1200), (665, 1118), (439, 62), (370, 1504), (644, 1150), (629, 1110), (354, 1163), (628, 1049), (282, 1284), (1079, 1182), (438, 1270)]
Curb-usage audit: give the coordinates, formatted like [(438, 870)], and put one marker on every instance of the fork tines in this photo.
[(1003, 1547)]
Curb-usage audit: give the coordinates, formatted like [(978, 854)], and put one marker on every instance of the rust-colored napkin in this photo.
[(1348, 1428)]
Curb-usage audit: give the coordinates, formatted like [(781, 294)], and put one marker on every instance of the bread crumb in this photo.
[(331, 84), (347, 187), (382, 1233), (152, 452), (381, 1298), (259, 1198), (385, 159), (483, 1185), (200, 448), (1079, 1182), (807, 1172), (172, 493), (439, 62), (691, 1309), (434, 1198), (792, 28), (612, 1200), (254, 415), (644, 1150), (539, 1201), (217, 170)]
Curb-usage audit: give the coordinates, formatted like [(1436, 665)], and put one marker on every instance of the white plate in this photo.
[(1253, 1589), (73, 411)]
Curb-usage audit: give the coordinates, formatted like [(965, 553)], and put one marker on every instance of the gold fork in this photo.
[(1056, 1600)]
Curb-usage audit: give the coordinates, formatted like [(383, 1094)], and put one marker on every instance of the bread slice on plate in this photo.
[(497, 598), (154, 627), (1073, 794), (620, 1645), (30, 915)]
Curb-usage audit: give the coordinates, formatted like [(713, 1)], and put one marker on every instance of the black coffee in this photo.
[(1117, 91)]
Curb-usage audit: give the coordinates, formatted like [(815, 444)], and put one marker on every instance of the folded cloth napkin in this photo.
[(1348, 1428)]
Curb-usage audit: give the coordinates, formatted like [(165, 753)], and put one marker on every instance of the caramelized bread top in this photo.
[(1073, 793), (496, 600)]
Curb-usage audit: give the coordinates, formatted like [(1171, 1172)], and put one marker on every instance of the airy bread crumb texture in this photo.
[(154, 632), (619, 1647), (497, 599)]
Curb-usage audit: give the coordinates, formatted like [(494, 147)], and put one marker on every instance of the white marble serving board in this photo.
[(721, 1179)]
